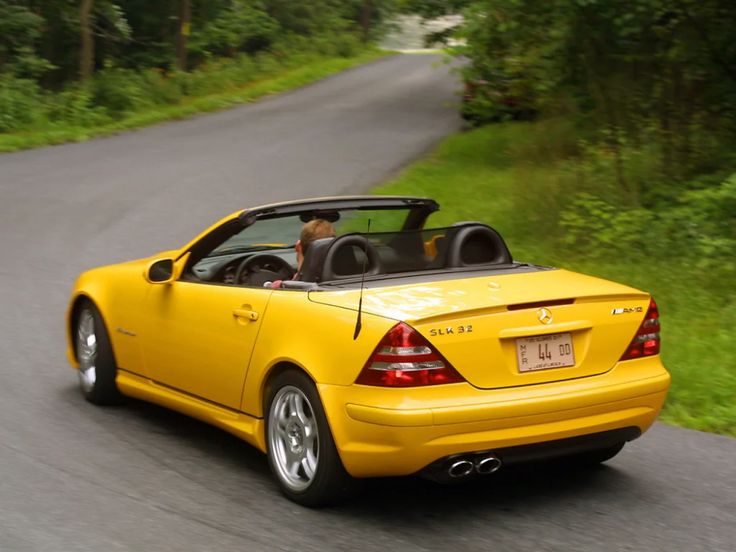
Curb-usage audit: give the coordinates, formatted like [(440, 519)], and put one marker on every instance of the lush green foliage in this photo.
[(432, 8), (42, 37), (152, 97), (523, 178), (136, 46), (631, 171), (667, 64), (639, 76)]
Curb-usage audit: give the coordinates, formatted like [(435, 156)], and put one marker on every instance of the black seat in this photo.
[(475, 244), (314, 260), (348, 256)]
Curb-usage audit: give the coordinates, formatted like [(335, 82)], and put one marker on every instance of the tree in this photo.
[(86, 40), (366, 15), (20, 33), (635, 73), (184, 29)]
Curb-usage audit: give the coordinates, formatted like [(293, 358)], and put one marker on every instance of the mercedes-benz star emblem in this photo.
[(545, 317)]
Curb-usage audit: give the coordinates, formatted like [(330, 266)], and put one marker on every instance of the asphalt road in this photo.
[(77, 477)]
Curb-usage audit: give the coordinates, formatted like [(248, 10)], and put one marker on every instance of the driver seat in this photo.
[(314, 260)]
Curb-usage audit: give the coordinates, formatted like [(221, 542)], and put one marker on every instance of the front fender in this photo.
[(117, 291)]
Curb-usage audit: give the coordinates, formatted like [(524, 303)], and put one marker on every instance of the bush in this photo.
[(121, 91), (219, 75), (74, 107), (699, 228), (161, 88), (598, 229), (21, 103), (244, 26)]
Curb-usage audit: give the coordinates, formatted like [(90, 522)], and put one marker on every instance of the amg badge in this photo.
[(627, 310)]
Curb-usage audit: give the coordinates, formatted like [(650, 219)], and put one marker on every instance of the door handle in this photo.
[(244, 313)]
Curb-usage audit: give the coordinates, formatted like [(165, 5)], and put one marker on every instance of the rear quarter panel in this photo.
[(316, 337)]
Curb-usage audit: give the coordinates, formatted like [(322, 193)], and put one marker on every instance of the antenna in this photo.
[(358, 323)]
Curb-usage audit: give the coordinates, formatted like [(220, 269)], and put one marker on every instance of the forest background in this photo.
[(610, 150), (606, 139)]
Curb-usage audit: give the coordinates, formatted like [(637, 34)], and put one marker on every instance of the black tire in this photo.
[(288, 439), (97, 367)]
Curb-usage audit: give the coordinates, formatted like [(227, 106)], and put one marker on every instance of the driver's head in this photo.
[(313, 230)]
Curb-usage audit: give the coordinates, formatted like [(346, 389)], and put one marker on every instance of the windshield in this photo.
[(276, 233), (283, 232)]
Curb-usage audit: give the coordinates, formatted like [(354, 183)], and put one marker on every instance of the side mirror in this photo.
[(165, 270), (160, 271)]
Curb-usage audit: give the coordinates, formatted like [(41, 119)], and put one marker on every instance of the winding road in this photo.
[(137, 477)]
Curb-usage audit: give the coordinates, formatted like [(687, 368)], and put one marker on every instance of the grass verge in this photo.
[(282, 79), (508, 176)]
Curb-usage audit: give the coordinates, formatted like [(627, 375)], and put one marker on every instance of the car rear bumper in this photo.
[(383, 432)]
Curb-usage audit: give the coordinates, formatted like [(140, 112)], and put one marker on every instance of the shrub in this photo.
[(74, 106), (244, 26), (597, 228), (161, 88), (120, 91), (699, 228), (21, 103)]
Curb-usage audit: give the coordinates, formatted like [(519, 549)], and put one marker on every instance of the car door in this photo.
[(200, 337)]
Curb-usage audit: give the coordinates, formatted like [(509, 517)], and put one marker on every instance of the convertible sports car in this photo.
[(397, 349)]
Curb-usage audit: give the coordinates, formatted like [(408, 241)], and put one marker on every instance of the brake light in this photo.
[(404, 358), (646, 341)]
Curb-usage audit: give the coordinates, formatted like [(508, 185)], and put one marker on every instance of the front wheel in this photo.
[(97, 369), (301, 451)]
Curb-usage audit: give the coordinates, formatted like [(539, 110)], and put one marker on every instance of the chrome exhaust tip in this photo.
[(460, 468), (487, 464)]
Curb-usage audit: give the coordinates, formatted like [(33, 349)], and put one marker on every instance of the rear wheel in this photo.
[(301, 450), (97, 368)]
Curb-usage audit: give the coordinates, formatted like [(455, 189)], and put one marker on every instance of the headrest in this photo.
[(348, 255), (314, 260), (476, 244)]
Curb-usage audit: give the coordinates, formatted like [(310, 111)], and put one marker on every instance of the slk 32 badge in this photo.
[(451, 330)]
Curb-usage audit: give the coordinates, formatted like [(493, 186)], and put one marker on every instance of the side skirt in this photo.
[(246, 427)]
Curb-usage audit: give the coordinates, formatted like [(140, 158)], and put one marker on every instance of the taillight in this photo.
[(404, 358), (646, 341)]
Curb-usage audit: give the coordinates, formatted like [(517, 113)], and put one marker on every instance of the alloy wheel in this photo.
[(293, 438), (87, 350)]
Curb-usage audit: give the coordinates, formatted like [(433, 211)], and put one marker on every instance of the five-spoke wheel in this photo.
[(97, 367), (301, 451), (86, 350), (294, 437)]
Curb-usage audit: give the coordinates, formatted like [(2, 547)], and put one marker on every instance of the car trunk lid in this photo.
[(514, 329)]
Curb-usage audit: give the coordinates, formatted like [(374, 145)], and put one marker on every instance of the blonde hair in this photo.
[(315, 230)]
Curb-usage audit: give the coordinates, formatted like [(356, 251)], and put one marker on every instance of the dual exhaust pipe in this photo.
[(482, 465)]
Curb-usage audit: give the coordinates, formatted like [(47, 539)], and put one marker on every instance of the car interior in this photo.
[(255, 256)]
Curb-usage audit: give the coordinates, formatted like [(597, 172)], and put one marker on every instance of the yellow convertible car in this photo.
[(387, 348)]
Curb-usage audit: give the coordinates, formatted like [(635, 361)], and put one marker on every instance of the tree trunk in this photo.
[(185, 19), (87, 40), (366, 16)]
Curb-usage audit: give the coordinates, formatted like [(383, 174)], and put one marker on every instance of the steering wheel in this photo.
[(259, 269)]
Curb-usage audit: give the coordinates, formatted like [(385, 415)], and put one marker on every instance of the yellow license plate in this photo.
[(542, 352)]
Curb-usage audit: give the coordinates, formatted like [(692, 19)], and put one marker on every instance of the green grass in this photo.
[(511, 176), (286, 78)]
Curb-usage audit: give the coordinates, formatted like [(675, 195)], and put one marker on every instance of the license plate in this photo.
[(544, 351)]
